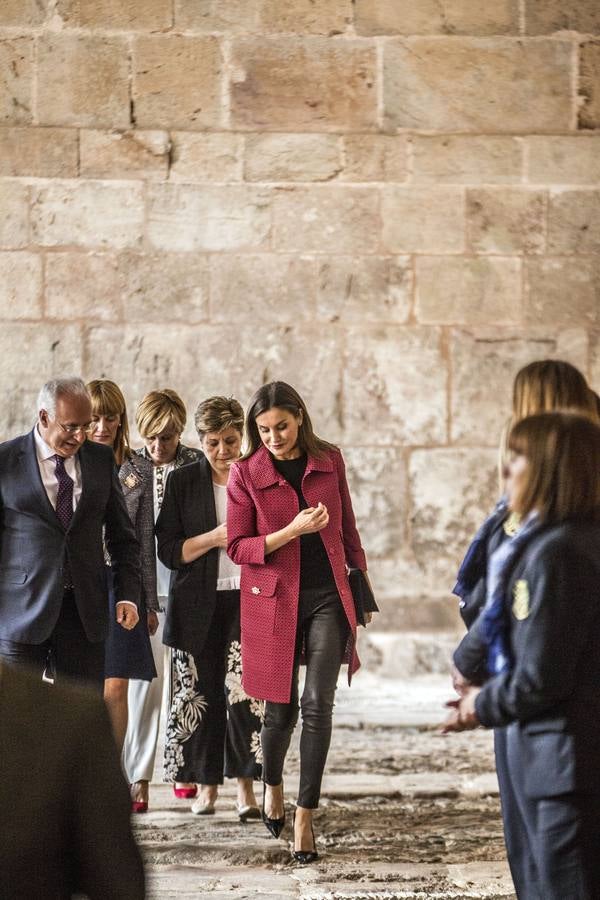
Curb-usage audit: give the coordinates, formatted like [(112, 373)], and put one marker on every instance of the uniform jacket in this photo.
[(553, 688), (33, 544), (260, 501), (58, 837), (188, 509), (135, 476)]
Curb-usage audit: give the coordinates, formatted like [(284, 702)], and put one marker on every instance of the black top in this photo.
[(188, 509), (315, 568)]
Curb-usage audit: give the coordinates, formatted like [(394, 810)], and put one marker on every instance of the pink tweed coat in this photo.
[(260, 501)]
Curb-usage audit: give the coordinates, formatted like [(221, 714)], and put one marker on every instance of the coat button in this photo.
[(256, 590)]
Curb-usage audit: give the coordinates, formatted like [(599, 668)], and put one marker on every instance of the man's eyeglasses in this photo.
[(73, 429)]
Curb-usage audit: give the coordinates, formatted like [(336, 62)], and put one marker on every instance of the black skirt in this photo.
[(127, 654)]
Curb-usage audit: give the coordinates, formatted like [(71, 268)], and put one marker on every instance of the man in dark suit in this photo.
[(58, 835), (57, 491)]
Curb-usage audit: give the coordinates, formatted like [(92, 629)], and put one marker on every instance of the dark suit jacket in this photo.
[(64, 807), (33, 544), (188, 509), (553, 688)]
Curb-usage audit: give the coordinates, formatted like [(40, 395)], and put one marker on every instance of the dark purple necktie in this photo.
[(64, 499)]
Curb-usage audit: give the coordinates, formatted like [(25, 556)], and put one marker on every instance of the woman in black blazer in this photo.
[(540, 627), (213, 727)]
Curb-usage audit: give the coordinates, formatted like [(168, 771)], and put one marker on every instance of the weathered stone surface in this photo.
[(466, 159), (451, 493), (303, 84), (374, 157), (138, 358), (305, 16), (31, 13), (292, 157), (328, 219), (589, 85), (553, 15), (423, 220), (132, 287), (83, 79), (365, 289), (564, 159), (505, 220), (14, 220), (39, 152), (52, 350), (214, 15), (460, 84), (388, 371), (377, 479), (16, 80), (88, 285), (563, 291), (434, 17), (484, 364), (478, 291), (20, 285), (574, 222), (262, 288), (88, 213), (206, 157), (131, 154), (182, 217), (177, 82), (327, 17), (150, 14)]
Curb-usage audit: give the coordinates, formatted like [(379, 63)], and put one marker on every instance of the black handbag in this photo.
[(364, 601)]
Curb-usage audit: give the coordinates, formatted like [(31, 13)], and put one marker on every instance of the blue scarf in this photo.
[(494, 624), (474, 565)]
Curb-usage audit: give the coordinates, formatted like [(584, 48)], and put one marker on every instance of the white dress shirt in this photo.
[(47, 463), (228, 578)]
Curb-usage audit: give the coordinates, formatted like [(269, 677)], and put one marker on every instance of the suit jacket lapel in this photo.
[(34, 477)]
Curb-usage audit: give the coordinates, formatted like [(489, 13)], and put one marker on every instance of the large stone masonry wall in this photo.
[(393, 204)]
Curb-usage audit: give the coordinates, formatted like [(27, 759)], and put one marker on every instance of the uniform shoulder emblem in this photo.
[(520, 605)]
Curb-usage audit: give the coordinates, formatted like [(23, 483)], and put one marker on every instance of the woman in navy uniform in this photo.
[(540, 627)]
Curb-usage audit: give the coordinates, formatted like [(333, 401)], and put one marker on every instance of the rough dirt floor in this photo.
[(405, 813)]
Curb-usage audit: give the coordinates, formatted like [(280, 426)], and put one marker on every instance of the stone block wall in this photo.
[(391, 204)]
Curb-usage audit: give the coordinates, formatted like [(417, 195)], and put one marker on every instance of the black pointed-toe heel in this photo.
[(305, 857), (275, 826)]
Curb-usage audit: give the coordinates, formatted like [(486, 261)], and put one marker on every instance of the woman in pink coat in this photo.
[(291, 528)]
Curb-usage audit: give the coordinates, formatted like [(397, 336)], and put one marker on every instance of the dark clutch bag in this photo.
[(364, 601)]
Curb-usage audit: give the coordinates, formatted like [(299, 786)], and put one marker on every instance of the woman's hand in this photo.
[(152, 620), (309, 521), (220, 536), (464, 715)]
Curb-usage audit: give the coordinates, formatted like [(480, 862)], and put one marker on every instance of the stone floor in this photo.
[(406, 812)]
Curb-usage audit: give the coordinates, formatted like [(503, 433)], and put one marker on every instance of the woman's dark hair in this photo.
[(562, 478), (547, 385), (278, 394)]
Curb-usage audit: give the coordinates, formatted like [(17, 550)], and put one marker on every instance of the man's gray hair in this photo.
[(70, 386)]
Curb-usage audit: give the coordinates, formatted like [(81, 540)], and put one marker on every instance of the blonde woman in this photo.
[(160, 418), (127, 653)]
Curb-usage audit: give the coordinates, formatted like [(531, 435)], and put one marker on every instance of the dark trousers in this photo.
[(213, 727), (322, 632), (67, 653), (553, 849)]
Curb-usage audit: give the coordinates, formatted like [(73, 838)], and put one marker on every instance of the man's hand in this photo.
[(127, 615)]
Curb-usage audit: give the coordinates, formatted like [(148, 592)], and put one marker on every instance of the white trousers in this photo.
[(146, 701)]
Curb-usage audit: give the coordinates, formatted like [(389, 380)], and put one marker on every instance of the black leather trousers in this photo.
[(322, 632)]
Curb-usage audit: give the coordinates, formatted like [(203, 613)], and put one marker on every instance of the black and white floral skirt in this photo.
[(213, 727)]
